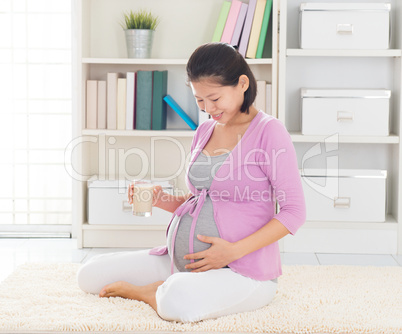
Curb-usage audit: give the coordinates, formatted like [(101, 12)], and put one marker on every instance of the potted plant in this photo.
[(139, 28)]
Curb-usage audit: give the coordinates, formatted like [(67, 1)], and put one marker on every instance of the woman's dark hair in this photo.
[(224, 64)]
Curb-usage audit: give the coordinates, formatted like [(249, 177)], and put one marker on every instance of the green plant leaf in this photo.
[(140, 19)]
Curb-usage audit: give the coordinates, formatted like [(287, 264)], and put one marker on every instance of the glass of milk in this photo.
[(142, 198)]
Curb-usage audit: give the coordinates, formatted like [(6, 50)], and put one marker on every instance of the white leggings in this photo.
[(184, 296)]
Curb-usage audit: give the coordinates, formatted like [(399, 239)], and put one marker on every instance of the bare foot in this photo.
[(123, 289)]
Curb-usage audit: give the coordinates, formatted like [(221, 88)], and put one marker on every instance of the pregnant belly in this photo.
[(205, 226)]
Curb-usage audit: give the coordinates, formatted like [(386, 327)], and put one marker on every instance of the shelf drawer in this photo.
[(353, 112), (108, 205), (345, 195), (361, 26), (123, 238)]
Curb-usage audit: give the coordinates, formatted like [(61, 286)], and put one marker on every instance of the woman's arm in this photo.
[(273, 231), (167, 201), (222, 252), (162, 199)]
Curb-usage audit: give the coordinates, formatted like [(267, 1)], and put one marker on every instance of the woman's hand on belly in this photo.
[(219, 255)]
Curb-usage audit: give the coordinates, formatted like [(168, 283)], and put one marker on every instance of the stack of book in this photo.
[(263, 99), (134, 101), (244, 25), (127, 102)]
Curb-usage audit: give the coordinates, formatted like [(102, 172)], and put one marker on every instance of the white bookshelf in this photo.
[(139, 133), (342, 53), (154, 61), (297, 137), (344, 69), (389, 224), (101, 49)]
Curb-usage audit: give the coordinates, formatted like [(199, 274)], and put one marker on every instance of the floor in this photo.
[(14, 252)]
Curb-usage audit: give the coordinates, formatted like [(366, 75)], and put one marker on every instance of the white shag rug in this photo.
[(43, 298)]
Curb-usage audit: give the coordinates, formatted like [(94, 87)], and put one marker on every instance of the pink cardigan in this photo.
[(261, 168)]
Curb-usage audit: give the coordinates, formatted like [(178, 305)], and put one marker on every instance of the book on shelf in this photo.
[(264, 29), (260, 100), (231, 20), (248, 22), (130, 100), (256, 29), (268, 103), (121, 103), (112, 101), (175, 106), (220, 25), (267, 50), (101, 105), (263, 100), (239, 25), (159, 107), (127, 102), (143, 113), (91, 104), (246, 25)]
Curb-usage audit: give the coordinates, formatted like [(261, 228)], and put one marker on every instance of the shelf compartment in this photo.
[(130, 236), (156, 61), (297, 137), (139, 133), (389, 224), (133, 227), (343, 53)]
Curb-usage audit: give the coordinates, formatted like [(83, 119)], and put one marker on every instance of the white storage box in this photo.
[(345, 26), (353, 112), (108, 204), (345, 195)]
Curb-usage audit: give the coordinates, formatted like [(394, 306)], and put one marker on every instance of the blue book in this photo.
[(173, 104), (158, 106), (143, 114)]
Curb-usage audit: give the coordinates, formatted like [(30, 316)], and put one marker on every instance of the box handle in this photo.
[(345, 116), (342, 202), (344, 29), (126, 207)]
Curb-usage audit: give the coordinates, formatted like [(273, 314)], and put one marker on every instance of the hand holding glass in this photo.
[(141, 194)]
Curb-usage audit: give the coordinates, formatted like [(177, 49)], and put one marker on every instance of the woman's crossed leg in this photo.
[(183, 296)]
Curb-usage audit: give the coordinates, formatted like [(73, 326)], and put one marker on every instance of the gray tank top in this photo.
[(201, 174)]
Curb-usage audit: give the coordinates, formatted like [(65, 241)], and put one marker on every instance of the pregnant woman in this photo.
[(222, 254)]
